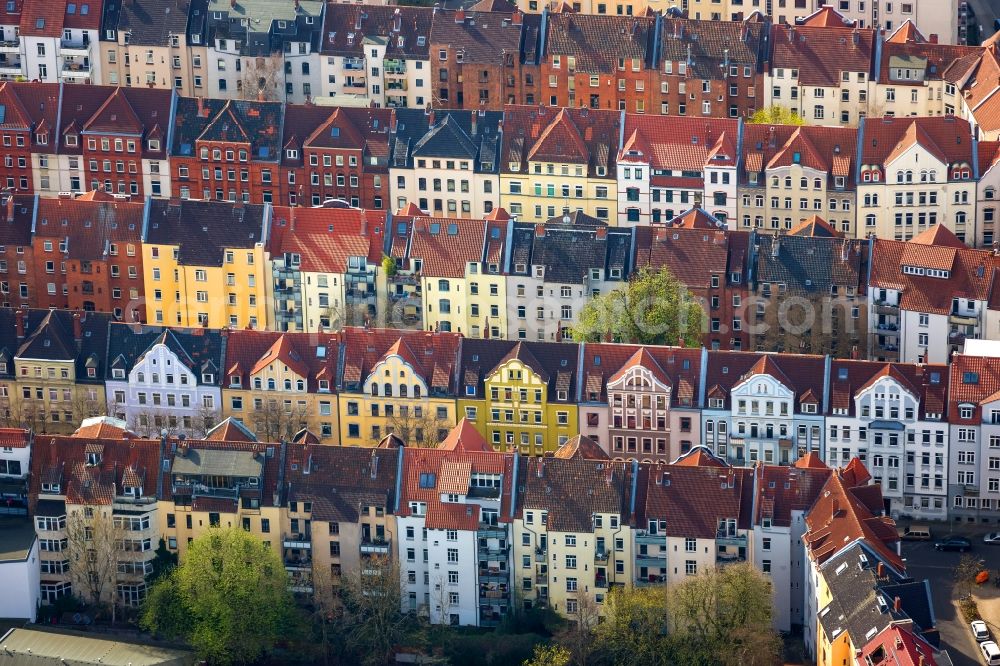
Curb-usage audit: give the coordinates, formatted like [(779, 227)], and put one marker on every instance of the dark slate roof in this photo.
[(810, 265), (195, 348), (406, 30), (49, 336), (17, 232), (574, 489), (554, 361), (202, 229), (471, 135), (707, 43), (147, 22), (340, 480), (570, 252), (239, 121), (8, 339)]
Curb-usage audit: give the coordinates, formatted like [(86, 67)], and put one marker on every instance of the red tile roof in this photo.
[(700, 456), (89, 227), (572, 490), (465, 438), (692, 255), (830, 150), (602, 362), (583, 136), (928, 383), (230, 430), (801, 373), (693, 499), (947, 137), (980, 89), (974, 380), (104, 427), (782, 490), (445, 246), (896, 645), (435, 356), (827, 17), (444, 471), (247, 351), (815, 227), (581, 446), (15, 438), (338, 481), (821, 52), (681, 143), (42, 18)]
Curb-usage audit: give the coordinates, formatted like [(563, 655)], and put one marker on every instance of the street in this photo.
[(922, 561)]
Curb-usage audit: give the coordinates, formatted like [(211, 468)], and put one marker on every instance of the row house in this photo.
[(572, 530), (226, 150), (926, 297), (165, 380), (763, 407), (555, 268), (28, 124), (257, 49), (454, 530), (711, 263), (53, 364), (338, 156), (554, 162), (790, 173), (640, 403), (892, 417), (402, 383), (988, 154), (520, 395), (88, 253), (340, 514), (59, 41), (821, 69), (15, 468), (976, 83), (145, 43), (973, 414), (476, 60), (807, 292), (914, 174), (672, 541), (204, 264), (459, 264), (709, 68), (377, 55), (944, 21), (327, 268), (667, 166), (281, 385), (447, 163), (18, 286)]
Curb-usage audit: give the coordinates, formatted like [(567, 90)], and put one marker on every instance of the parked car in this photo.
[(915, 533), (980, 631), (993, 538), (991, 653), (961, 544)]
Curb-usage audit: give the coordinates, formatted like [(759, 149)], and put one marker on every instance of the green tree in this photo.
[(634, 627), (229, 598), (776, 115), (652, 308), (163, 563), (549, 655)]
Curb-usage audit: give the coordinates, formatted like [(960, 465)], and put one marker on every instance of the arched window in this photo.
[(256, 383), (374, 388), (402, 390), (271, 384), (416, 390), (288, 384), (300, 385), (387, 387)]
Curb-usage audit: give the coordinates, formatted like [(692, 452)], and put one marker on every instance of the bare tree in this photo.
[(263, 78), (271, 420), (94, 542), (372, 601), (206, 419), (578, 637), (418, 425)]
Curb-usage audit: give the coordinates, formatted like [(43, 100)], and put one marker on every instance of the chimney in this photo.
[(19, 323), (602, 233), (10, 208), (397, 21), (374, 464), (297, 6), (430, 118), (845, 250), (539, 231), (933, 38), (473, 120), (880, 570), (515, 18), (897, 605), (836, 507), (541, 468), (77, 330), (201, 107), (232, 4), (857, 37), (460, 16), (260, 95)]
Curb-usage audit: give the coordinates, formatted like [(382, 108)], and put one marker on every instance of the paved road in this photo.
[(922, 561), (986, 11)]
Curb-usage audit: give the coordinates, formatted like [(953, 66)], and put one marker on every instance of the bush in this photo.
[(970, 611)]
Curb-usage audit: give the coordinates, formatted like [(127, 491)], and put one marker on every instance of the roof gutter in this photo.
[(399, 480), (635, 484), (146, 209), (827, 364), (579, 372), (702, 377), (513, 485)]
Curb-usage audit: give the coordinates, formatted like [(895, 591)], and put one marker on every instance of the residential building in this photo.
[(397, 382), (927, 296), (26, 130), (18, 284), (204, 264), (670, 165), (978, 91), (447, 162), (165, 380), (900, 643), (763, 406), (376, 55), (59, 42), (260, 49), (915, 173), (555, 268), (15, 464), (554, 162), (281, 383), (226, 150), (533, 381), (327, 268), (943, 21), (20, 569), (572, 535), (892, 417), (454, 530), (640, 403), (986, 194), (821, 69), (340, 514)]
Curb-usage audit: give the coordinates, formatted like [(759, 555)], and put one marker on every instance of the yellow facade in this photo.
[(475, 302), (181, 524), (235, 294), (45, 396), (516, 411), (551, 189), (841, 649), (395, 398)]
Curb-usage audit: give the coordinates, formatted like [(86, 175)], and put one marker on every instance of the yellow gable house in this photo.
[(400, 382), (204, 264), (520, 394)]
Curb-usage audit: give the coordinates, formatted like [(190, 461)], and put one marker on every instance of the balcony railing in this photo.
[(375, 546), (301, 541), (601, 555)]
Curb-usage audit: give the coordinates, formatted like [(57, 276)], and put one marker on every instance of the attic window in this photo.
[(427, 479), (118, 373), (970, 378), (334, 131), (40, 24), (842, 374)]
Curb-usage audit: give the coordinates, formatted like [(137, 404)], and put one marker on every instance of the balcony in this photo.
[(723, 559), (652, 579), (404, 279), (398, 85), (201, 490), (650, 539), (493, 576), (352, 83), (297, 541), (10, 46), (885, 308), (655, 560), (730, 539), (601, 555), (956, 337), (11, 69), (376, 546), (72, 48), (963, 319), (76, 70), (887, 329), (299, 562), (354, 64), (540, 555), (541, 579)]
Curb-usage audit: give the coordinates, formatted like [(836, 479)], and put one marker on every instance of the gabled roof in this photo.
[(569, 252), (645, 359), (521, 352), (203, 230), (700, 456), (814, 227), (826, 17), (89, 226), (282, 351), (103, 427), (898, 645), (581, 446), (692, 499), (947, 138), (695, 218), (572, 490), (580, 136), (560, 141), (445, 246), (247, 351), (405, 30), (556, 363), (115, 115), (326, 238), (599, 42), (485, 37), (692, 255), (257, 125), (821, 53), (339, 481), (433, 356), (464, 437), (810, 266), (230, 429), (427, 473), (708, 45), (829, 150), (782, 490), (801, 373), (927, 383), (603, 362)]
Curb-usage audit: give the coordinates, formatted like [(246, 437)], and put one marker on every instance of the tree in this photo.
[(549, 655), (633, 630), (652, 308), (965, 573), (421, 429), (578, 637), (271, 421), (373, 599), (776, 115), (163, 562), (229, 598), (95, 542), (263, 79)]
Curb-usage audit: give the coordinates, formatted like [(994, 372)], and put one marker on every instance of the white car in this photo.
[(993, 538), (980, 631), (991, 653)]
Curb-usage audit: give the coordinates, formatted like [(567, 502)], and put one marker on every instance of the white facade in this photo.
[(974, 467), (774, 553), (20, 580), (987, 204)]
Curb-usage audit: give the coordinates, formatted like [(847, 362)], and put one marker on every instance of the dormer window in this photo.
[(118, 373), (235, 381), (93, 458), (132, 491), (207, 378), (91, 373), (71, 140)]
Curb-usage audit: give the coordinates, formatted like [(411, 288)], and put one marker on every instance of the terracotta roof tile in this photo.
[(693, 499), (572, 490), (588, 136), (598, 42), (338, 481), (822, 52), (435, 355), (581, 446), (801, 373), (603, 362)]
